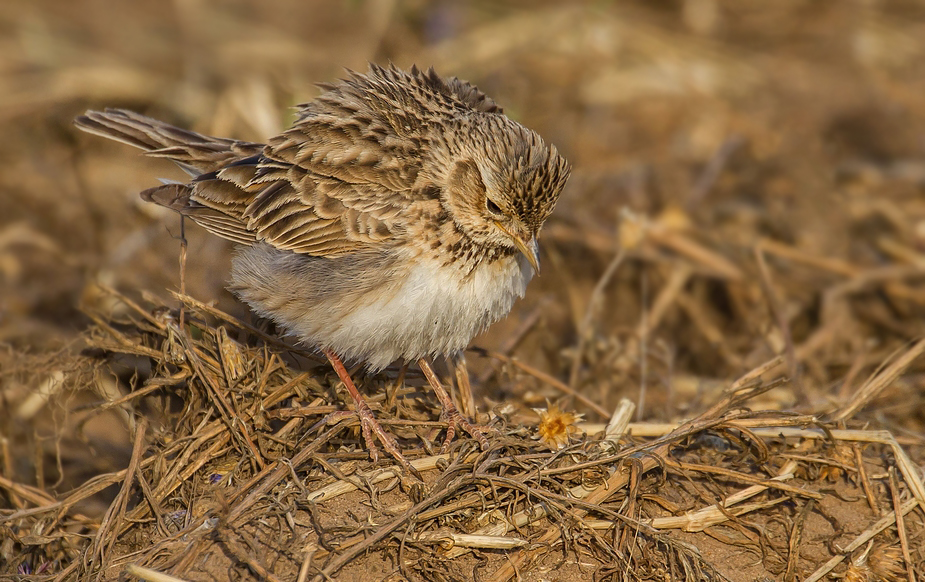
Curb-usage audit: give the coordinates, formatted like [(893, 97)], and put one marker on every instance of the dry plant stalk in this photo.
[(239, 383), (591, 487)]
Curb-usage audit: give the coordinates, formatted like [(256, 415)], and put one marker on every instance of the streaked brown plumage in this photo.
[(395, 219)]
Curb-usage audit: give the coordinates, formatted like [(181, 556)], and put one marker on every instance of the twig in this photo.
[(512, 341), (615, 428), (685, 246), (862, 539), (643, 335), (242, 555), (796, 537), (900, 525), (876, 383), (184, 246), (544, 377), (450, 540), (654, 452), (709, 516), (219, 314), (112, 521), (864, 479), (463, 385), (352, 484), (594, 305), (276, 472), (150, 575), (713, 169), (651, 318), (217, 395), (744, 478), (782, 324), (442, 490)]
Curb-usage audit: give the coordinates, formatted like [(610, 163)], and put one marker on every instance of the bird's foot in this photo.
[(455, 420), (369, 426), (451, 414)]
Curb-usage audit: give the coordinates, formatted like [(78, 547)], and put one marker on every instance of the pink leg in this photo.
[(450, 414), (368, 423)]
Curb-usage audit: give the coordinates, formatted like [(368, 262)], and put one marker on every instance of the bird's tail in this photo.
[(194, 152)]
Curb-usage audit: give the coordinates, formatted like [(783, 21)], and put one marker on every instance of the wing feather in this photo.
[(336, 182)]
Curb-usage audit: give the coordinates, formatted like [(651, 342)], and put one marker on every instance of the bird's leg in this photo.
[(368, 423), (450, 414)]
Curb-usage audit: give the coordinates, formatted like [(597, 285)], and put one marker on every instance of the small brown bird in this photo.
[(397, 218)]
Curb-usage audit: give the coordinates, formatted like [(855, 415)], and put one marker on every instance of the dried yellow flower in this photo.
[(556, 426)]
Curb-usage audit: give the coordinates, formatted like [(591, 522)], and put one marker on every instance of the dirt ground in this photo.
[(740, 253)]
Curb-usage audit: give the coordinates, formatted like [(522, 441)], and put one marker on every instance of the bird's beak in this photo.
[(529, 248)]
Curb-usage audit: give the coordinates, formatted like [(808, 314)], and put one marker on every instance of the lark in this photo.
[(396, 219)]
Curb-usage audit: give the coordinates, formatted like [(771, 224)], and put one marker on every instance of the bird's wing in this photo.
[(294, 208), (334, 183)]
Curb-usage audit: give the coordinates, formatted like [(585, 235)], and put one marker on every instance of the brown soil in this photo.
[(749, 182)]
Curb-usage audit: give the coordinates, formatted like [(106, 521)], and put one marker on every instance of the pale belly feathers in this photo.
[(428, 308)]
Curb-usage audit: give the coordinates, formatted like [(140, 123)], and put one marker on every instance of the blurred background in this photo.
[(757, 169)]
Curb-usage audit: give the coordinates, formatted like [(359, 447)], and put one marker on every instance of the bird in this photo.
[(394, 220)]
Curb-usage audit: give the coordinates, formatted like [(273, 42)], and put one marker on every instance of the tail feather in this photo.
[(220, 219), (194, 152), (173, 196)]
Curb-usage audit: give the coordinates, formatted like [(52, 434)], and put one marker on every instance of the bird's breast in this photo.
[(432, 308)]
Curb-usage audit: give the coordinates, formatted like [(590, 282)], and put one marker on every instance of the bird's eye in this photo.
[(492, 207)]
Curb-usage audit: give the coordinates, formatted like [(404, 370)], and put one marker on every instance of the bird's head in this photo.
[(502, 182)]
